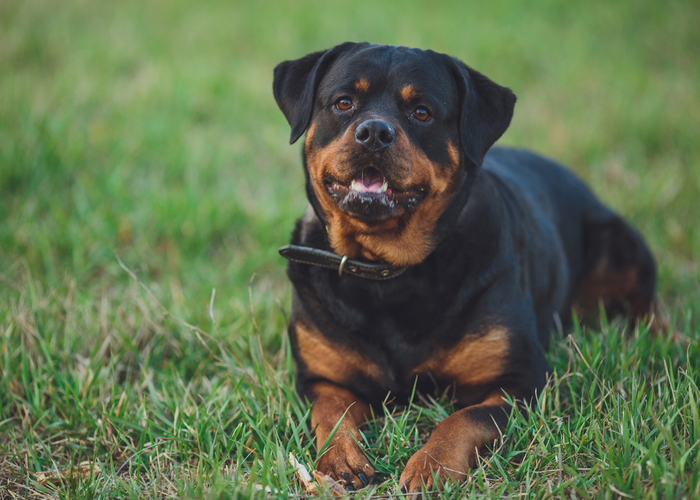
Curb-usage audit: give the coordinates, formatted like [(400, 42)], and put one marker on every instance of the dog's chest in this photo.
[(393, 367), (401, 352)]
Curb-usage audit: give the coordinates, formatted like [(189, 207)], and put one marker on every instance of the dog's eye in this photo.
[(421, 114), (343, 104)]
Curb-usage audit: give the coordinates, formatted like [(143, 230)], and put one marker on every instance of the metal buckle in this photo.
[(342, 265)]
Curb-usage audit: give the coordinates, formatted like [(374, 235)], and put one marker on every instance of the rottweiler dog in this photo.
[(428, 259)]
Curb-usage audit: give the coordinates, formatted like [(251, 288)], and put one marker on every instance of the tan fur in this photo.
[(329, 406), (335, 400), (401, 241), (331, 361), (471, 361), (408, 93), (362, 85), (451, 449), (606, 285), (453, 153), (310, 133)]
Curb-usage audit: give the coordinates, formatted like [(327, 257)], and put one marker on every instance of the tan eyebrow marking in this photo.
[(408, 93), (361, 85)]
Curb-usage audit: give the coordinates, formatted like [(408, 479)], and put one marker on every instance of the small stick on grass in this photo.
[(333, 486), (304, 477)]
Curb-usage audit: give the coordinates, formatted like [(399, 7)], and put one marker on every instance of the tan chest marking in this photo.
[(332, 361), (471, 361)]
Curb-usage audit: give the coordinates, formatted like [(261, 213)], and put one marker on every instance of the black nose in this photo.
[(375, 134)]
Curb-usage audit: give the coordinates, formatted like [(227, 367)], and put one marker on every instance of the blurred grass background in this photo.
[(149, 128)]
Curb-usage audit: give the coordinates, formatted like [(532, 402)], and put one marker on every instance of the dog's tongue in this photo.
[(370, 180)]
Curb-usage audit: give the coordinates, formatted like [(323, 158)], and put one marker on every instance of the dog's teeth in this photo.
[(361, 188)]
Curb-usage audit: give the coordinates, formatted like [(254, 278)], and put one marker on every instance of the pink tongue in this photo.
[(370, 180)]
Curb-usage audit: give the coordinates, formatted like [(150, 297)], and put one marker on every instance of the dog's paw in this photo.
[(430, 469), (345, 462)]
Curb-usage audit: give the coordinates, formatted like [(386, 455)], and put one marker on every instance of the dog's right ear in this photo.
[(295, 85)]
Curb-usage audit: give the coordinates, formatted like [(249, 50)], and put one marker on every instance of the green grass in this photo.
[(148, 130)]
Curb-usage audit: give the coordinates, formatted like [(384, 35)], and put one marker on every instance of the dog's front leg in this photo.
[(451, 450), (343, 459)]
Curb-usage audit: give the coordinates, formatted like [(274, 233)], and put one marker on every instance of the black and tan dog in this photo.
[(426, 258)]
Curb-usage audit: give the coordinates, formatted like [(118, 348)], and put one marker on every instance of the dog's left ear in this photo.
[(486, 110), (295, 83)]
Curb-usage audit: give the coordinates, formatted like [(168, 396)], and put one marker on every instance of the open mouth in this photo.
[(369, 196), (371, 181)]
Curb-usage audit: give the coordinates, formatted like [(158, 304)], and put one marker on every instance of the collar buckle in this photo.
[(323, 258)]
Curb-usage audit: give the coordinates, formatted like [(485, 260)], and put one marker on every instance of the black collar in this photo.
[(330, 260)]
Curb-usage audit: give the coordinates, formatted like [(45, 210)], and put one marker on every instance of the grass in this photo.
[(147, 131)]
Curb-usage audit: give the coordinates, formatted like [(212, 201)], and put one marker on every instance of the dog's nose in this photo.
[(375, 134)]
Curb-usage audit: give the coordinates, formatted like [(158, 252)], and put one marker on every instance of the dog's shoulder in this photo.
[(541, 181)]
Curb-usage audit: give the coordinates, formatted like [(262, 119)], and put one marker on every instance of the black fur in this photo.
[(520, 236)]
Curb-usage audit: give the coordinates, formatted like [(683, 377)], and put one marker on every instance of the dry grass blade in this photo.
[(85, 470)]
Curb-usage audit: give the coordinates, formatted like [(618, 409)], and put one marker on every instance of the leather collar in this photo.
[(330, 260)]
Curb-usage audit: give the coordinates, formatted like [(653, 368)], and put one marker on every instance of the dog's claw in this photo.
[(344, 461)]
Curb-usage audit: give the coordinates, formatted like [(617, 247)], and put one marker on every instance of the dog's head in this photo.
[(395, 136)]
